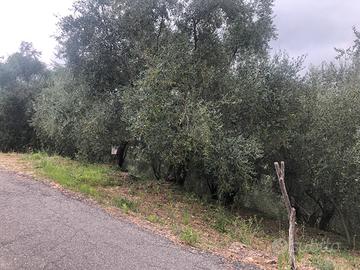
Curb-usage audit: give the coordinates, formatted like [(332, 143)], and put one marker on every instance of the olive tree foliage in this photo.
[(105, 45), (22, 76), (105, 42), (329, 154), (70, 122), (177, 110), (179, 126), (112, 46), (56, 109), (188, 84)]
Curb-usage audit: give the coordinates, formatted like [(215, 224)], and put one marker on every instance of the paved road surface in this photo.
[(41, 228)]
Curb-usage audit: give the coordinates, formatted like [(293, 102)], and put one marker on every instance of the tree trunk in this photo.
[(156, 167), (180, 175), (327, 215), (213, 188), (345, 227), (121, 154)]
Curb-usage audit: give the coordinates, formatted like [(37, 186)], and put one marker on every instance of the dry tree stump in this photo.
[(280, 171)]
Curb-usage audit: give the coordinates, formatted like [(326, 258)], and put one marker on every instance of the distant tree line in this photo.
[(190, 91)]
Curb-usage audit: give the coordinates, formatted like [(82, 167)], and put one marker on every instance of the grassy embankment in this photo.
[(185, 218)]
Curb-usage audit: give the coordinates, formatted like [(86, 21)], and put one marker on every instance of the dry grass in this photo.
[(183, 217)]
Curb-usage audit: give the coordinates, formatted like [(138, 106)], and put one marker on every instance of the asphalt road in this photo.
[(42, 228)]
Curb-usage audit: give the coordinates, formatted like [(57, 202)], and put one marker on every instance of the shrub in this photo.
[(189, 236)]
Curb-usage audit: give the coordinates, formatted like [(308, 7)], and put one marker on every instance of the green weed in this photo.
[(125, 204), (221, 221), (245, 230), (189, 236), (153, 218), (321, 263), (38, 156), (283, 260), (88, 190), (186, 218)]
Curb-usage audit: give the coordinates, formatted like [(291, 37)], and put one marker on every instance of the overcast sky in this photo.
[(315, 27), (30, 20), (310, 27)]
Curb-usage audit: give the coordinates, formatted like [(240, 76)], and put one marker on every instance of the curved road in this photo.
[(42, 228)]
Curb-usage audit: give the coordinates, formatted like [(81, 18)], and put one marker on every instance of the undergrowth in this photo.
[(193, 221)]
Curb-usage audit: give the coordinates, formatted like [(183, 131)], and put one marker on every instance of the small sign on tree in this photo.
[(114, 150)]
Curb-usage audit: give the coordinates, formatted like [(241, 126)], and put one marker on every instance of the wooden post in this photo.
[(280, 171), (292, 222)]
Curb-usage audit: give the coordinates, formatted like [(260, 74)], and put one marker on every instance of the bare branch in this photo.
[(281, 176), (292, 239), (280, 171)]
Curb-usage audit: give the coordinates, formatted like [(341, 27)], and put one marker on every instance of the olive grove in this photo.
[(192, 90)]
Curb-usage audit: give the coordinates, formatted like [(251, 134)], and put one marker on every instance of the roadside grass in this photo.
[(77, 176), (153, 218), (125, 204), (321, 263), (187, 218), (189, 236)]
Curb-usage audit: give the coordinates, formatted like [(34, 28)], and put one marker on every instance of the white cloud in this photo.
[(33, 21), (315, 27)]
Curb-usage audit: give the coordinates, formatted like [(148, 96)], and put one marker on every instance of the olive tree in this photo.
[(22, 76)]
